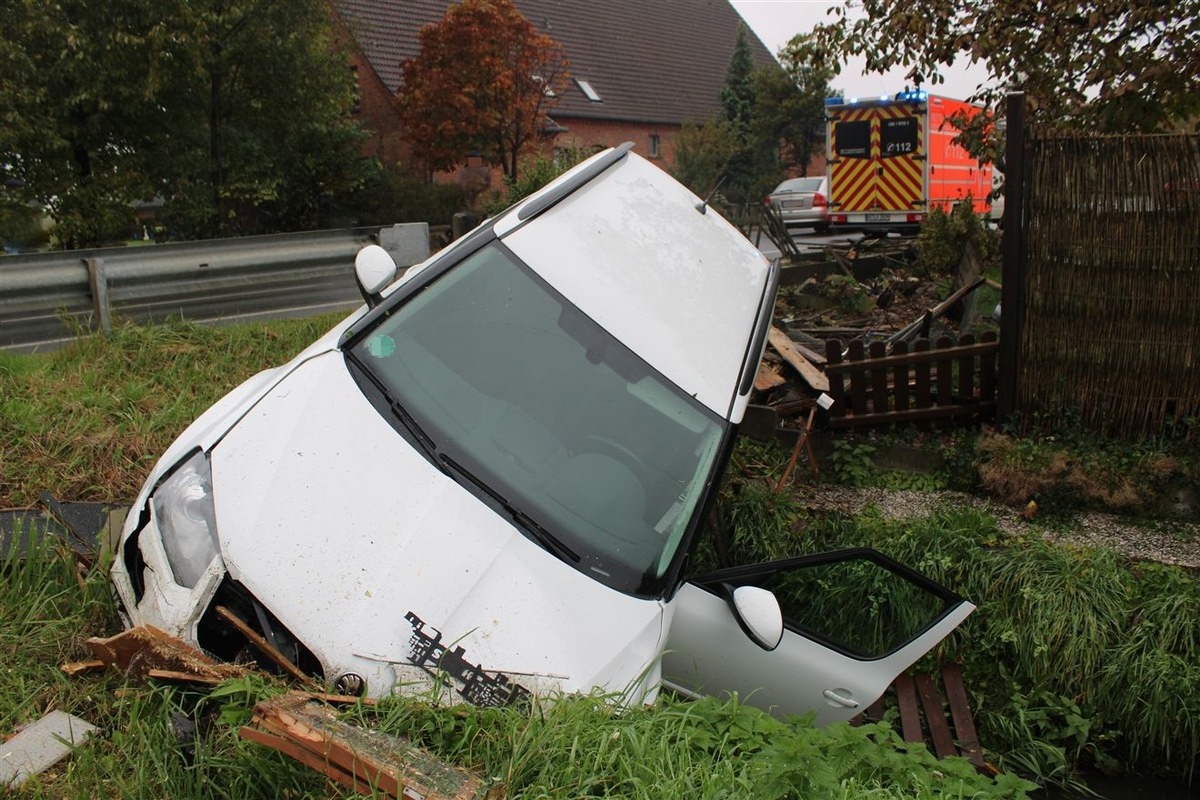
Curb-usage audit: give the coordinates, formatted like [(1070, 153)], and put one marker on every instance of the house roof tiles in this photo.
[(659, 61)]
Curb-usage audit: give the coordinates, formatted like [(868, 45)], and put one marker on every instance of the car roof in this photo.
[(809, 184), (679, 286)]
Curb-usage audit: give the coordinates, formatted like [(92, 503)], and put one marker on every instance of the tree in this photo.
[(703, 153), (234, 112), (789, 111), (737, 94), (73, 89), (255, 124), (1109, 64), (483, 81)]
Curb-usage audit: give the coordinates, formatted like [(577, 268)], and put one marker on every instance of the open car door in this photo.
[(852, 621)]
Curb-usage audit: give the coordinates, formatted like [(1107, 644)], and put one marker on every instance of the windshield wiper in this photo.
[(413, 427), (415, 431), (543, 537)]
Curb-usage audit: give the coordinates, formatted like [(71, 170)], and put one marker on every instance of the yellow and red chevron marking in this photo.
[(876, 183)]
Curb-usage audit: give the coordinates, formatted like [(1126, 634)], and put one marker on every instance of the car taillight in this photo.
[(819, 200)]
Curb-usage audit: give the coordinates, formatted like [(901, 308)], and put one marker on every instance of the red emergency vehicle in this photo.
[(892, 159)]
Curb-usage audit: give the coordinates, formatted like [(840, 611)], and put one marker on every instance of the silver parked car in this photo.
[(803, 202)]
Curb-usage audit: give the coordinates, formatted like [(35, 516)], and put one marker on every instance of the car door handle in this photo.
[(840, 699)]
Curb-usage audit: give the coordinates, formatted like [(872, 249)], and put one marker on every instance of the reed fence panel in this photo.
[(1111, 328)]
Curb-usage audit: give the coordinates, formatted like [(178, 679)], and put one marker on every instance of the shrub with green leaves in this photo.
[(944, 237)]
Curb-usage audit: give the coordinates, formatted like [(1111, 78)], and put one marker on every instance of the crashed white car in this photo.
[(493, 473)]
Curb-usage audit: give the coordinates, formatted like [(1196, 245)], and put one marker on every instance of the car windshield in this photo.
[(799, 185), (550, 415)]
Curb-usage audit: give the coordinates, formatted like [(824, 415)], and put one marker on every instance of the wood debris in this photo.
[(792, 354), (358, 758), (147, 652)]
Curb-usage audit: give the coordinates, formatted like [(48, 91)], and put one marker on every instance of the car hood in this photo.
[(384, 566)]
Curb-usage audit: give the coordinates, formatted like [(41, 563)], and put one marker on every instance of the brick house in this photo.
[(638, 70)]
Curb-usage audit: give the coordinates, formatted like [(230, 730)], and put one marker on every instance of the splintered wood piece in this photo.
[(263, 646), (139, 650), (768, 378), (792, 355), (338, 749), (182, 677), (73, 668), (305, 757)]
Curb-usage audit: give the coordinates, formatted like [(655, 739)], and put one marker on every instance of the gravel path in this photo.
[(1167, 541)]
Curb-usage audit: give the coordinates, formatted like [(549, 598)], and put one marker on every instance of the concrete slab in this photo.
[(40, 746)]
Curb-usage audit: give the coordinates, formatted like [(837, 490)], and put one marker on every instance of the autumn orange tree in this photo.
[(483, 81)]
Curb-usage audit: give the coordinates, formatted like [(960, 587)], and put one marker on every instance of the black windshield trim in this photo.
[(561, 191), (459, 251)]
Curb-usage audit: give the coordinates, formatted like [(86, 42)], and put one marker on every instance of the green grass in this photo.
[(88, 421), (1074, 658), (578, 747)]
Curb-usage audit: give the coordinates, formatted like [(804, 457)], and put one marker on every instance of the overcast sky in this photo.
[(777, 21)]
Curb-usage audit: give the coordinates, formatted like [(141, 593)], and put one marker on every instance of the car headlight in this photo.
[(183, 508)]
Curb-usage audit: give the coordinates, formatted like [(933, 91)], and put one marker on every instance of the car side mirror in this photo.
[(757, 611), (373, 270)]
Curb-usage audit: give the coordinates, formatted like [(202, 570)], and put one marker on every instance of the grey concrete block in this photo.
[(40, 746), (406, 242)]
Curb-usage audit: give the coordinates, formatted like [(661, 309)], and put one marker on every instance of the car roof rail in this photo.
[(568, 187)]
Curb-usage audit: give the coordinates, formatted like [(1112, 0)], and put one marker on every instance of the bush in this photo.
[(944, 237), (388, 197), (535, 173)]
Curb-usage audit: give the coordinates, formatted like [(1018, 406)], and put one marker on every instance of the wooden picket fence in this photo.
[(943, 381)]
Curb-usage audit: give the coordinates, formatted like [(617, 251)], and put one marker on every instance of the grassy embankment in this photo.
[(1062, 639)]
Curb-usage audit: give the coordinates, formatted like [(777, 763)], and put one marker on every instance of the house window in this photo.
[(357, 107), (588, 91), (655, 152)]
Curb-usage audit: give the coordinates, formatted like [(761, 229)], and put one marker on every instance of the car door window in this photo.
[(853, 621), (856, 601)]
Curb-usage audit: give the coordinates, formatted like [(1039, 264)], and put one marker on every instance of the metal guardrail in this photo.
[(46, 298)]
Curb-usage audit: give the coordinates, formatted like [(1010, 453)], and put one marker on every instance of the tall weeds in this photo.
[(1075, 657)]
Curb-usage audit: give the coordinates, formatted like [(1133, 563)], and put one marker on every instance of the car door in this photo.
[(853, 621)]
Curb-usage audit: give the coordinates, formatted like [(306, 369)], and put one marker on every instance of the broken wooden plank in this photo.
[(784, 345), (174, 676), (960, 714), (767, 378), (910, 714), (73, 668), (139, 650), (40, 746), (934, 706), (262, 645), (311, 732)]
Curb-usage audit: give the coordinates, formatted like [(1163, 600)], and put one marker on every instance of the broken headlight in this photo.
[(183, 509)]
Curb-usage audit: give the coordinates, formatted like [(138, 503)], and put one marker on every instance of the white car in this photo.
[(493, 472)]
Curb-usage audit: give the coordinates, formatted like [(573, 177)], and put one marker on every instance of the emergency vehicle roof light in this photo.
[(833, 101), (913, 95)]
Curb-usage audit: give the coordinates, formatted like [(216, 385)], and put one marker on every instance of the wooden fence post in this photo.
[(1012, 293)]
